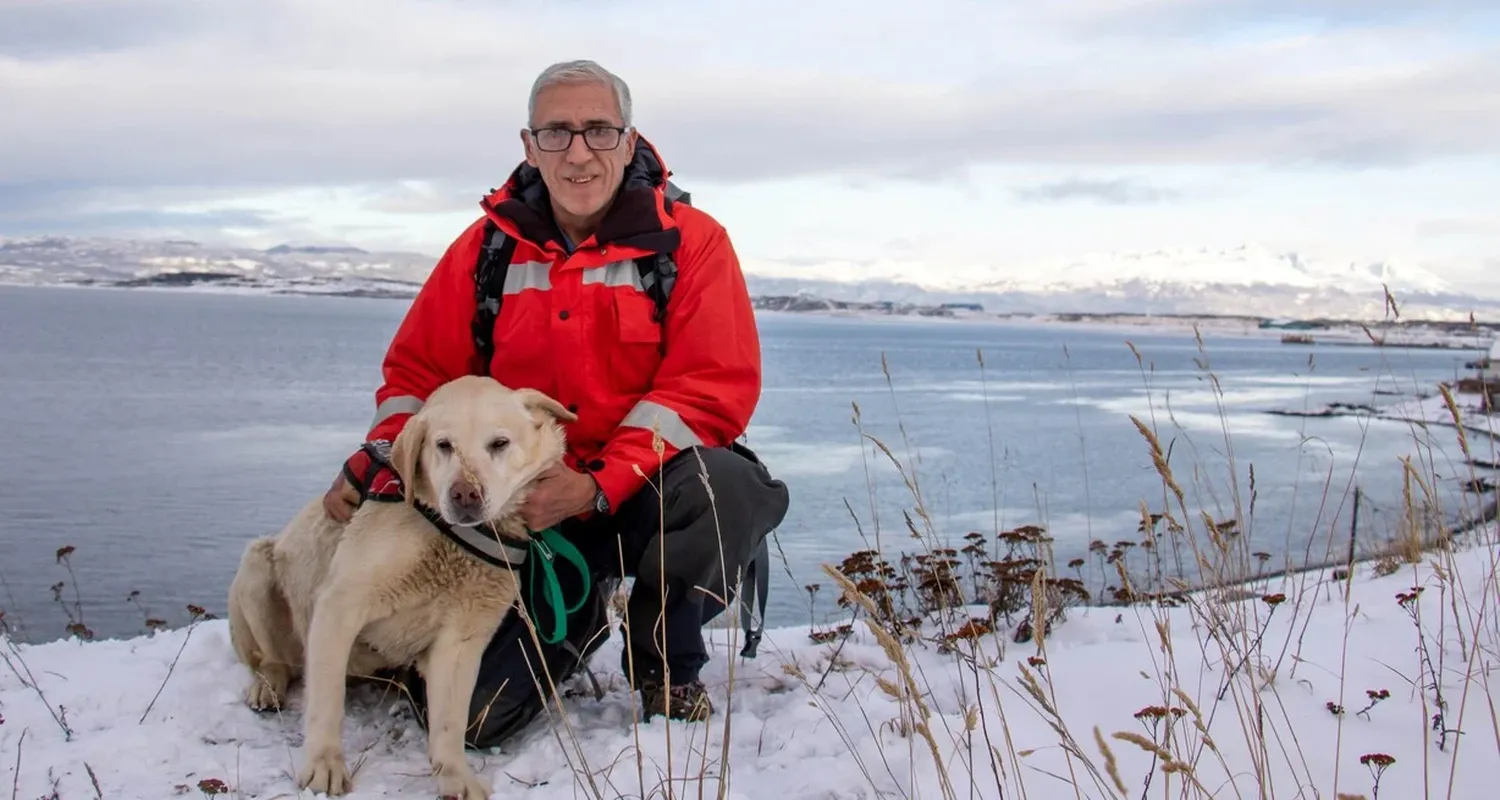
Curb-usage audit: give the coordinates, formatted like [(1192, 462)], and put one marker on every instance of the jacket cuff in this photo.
[(618, 479)]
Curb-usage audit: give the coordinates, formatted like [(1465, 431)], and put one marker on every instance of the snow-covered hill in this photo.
[(1186, 269), (65, 260), (1142, 297), (1242, 281)]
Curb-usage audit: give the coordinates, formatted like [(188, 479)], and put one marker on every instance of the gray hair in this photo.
[(582, 71)]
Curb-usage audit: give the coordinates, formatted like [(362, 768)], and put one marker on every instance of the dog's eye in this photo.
[(498, 445), (444, 446)]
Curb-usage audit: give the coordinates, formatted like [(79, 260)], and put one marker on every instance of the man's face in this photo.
[(582, 180)]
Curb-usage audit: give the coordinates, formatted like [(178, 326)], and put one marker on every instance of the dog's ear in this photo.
[(539, 401), (406, 454)]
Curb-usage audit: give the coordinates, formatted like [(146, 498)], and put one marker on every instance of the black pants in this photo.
[(687, 537), (688, 546)]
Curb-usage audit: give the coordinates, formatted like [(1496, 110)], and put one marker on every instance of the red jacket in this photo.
[(580, 328)]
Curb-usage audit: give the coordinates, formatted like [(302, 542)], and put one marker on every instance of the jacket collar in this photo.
[(639, 217)]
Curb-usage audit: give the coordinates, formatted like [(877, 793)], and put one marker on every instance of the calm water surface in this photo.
[(156, 432)]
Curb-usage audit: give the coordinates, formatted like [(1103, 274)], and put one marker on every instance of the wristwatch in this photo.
[(601, 501)]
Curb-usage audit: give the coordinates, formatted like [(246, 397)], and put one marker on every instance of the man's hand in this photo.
[(341, 499), (557, 494)]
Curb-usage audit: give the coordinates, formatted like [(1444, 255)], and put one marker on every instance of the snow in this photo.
[(1246, 279), (69, 259), (1335, 334), (844, 740), (1433, 410), (1242, 266)]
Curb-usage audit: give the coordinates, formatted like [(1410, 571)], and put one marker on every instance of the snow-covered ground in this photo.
[(1337, 334), (1269, 701), (1433, 410)]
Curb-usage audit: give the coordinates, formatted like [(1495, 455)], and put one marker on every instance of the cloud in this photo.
[(1476, 225), (422, 197), (65, 209), (408, 110), (75, 207), (140, 222), (1198, 16), (1115, 192), (54, 29), (280, 94)]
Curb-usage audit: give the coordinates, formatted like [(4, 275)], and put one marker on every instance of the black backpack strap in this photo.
[(674, 194), (756, 586), (489, 289), (760, 570), (659, 272), (658, 277)]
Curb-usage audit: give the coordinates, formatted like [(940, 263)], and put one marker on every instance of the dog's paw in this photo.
[(260, 696), (324, 773), (459, 782), (267, 689)]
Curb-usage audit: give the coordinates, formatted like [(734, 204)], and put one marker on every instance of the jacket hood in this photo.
[(639, 216)]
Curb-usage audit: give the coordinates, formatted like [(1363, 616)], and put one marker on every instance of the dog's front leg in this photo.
[(451, 667), (338, 616)]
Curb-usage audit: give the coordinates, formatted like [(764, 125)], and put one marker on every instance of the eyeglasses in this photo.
[(556, 140)]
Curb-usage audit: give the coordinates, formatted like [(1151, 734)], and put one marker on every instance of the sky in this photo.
[(949, 135)]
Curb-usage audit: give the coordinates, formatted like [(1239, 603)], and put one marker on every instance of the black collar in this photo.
[(489, 547)]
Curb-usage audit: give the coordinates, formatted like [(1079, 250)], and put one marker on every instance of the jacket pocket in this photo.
[(636, 351), (635, 321)]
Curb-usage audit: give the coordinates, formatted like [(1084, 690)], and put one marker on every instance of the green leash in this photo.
[(542, 549)]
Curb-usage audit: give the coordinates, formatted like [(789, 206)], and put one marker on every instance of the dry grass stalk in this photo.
[(925, 600)]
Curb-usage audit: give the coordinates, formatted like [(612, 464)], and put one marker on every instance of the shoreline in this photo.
[(1421, 409), (1413, 334)]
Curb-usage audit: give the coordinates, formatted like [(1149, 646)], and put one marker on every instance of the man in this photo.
[(576, 322)]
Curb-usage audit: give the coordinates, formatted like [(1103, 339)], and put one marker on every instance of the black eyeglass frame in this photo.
[(572, 134)]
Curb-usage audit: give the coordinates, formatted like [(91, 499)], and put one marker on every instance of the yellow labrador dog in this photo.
[(390, 589)]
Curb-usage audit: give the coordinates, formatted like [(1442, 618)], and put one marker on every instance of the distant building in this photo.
[(1489, 369), (1290, 325)]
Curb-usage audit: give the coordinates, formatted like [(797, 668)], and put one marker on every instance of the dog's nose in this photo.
[(466, 498)]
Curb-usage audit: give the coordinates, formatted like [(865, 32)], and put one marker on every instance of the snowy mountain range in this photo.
[(284, 268), (1242, 281)]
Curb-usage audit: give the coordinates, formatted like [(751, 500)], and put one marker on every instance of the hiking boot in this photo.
[(685, 702)]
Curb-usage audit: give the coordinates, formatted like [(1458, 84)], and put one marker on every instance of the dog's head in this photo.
[(475, 445)]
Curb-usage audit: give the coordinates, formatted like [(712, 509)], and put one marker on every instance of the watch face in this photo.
[(601, 502)]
